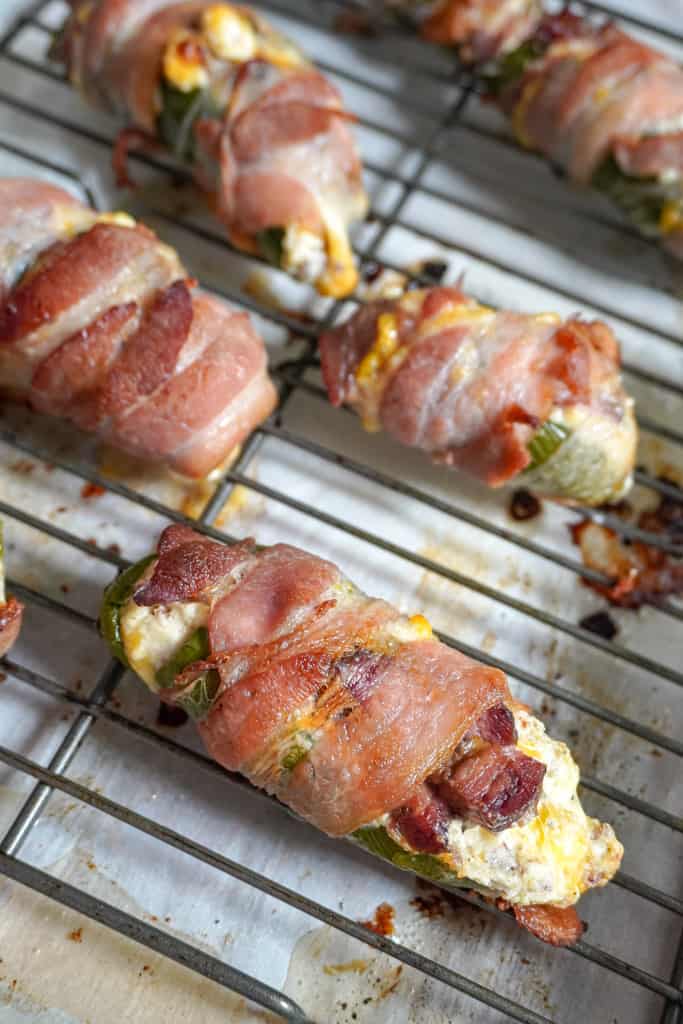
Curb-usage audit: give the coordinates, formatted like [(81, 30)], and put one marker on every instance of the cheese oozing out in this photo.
[(225, 33), (229, 33), (153, 635), (303, 253), (552, 857), (184, 64)]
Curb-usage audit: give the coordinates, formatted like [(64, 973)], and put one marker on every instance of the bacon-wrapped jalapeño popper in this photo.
[(11, 610), (507, 397), (265, 134), (362, 722), (100, 325), (604, 107)]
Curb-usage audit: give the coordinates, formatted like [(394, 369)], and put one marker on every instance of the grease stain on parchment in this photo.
[(336, 980), (77, 970)]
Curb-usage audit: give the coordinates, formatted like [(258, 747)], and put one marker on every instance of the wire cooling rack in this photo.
[(442, 118)]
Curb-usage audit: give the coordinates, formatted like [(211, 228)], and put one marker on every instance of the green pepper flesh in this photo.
[(271, 245), (115, 597), (195, 648)]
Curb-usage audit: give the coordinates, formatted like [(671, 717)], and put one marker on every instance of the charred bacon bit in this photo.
[(171, 716), (642, 573), (174, 536), (423, 822), (356, 23), (11, 613), (432, 903), (600, 623), (524, 505), (382, 921), (90, 490), (371, 271), (433, 270), (556, 27), (667, 517), (559, 926), (493, 787)]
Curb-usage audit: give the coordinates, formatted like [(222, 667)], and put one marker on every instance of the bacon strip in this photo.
[(647, 157), (471, 386), (105, 329), (185, 570), (405, 731)]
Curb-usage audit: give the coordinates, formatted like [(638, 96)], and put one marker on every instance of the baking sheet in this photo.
[(551, 253)]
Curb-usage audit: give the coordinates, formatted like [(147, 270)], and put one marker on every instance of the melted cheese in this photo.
[(603, 93), (455, 316), (340, 276), (119, 218), (405, 631), (385, 344), (152, 636), (422, 627), (548, 318), (384, 355), (671, 217), (231, 35), (303, 254), (183, 65), (555, 856), (228, 32)]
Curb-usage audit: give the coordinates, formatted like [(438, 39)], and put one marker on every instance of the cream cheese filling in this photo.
[(551, 858)]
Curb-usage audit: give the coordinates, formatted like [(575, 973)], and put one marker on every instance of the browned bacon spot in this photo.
[(493, 787), (176, 535), (382, 921), (359, 672), (182, 573)]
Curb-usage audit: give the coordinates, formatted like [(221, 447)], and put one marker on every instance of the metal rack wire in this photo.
[(294, 379)]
